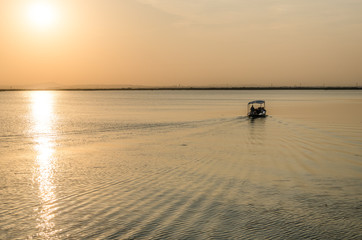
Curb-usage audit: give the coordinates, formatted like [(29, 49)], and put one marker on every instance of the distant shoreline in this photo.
[(183, 88)]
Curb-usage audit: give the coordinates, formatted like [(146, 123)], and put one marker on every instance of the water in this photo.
[(180, 165)]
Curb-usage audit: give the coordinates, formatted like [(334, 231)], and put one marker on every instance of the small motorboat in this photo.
[(256, 109)]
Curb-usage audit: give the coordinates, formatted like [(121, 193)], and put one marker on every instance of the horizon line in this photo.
[(189, 88)]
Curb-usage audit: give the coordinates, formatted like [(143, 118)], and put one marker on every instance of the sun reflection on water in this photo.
[(45, 165)]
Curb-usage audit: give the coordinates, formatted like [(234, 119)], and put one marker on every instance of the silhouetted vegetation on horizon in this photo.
[(191, 88)]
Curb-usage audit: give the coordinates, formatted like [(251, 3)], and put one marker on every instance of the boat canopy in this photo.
[(257, 102)]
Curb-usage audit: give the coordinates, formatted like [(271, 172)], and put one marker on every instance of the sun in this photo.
[(42, 15)]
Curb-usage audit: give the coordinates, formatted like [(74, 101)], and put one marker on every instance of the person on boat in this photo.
[(252, 109), (259, 110), (263, 110)]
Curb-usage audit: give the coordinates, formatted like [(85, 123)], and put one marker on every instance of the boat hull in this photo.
[(257, 116)]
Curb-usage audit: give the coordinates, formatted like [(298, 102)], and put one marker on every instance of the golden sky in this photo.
[(181, 42)]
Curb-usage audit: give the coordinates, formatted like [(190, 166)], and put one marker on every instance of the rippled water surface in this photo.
[(180, 165)]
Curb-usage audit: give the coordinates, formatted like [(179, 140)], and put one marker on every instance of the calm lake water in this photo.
[(180, 165)]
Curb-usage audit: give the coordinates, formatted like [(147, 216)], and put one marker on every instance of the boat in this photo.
[(256, 109)]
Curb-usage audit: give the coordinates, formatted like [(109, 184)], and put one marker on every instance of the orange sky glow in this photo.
[(187, 43)]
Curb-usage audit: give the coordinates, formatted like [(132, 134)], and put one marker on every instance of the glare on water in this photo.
[(44, 167)]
